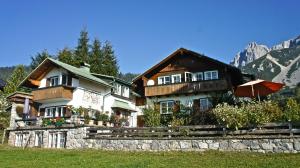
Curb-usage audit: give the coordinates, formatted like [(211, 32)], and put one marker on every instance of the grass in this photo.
[(16, 157)]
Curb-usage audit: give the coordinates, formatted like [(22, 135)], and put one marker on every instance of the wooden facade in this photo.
[(49, 93), (186, 87), (185, 61)]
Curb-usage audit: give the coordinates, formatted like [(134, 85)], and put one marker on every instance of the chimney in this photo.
[(84, 66)]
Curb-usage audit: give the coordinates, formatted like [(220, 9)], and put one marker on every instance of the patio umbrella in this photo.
[(257, 88)]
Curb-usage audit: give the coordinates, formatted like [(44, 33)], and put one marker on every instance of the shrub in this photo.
[(230, 116), (292, 110), (247, 114), (151, 117)]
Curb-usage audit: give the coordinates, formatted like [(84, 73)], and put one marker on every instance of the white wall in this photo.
[(53, 72)]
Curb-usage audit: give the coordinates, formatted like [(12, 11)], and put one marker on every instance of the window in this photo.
[(64, 79), (54, 81), (19, 140), (166, 107), (164, 80), (38, 140), (59, 111), (57, 140), (176, 78), (188, 77), (204, 104), (211, 75), (122, 90), (198, 76)]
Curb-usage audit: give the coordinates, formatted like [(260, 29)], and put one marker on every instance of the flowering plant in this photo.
[(58, 122)]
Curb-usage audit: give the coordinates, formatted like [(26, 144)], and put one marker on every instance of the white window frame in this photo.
[(175, 76), (167, 107), (162, 80), (206, 106), (186, 77), (57, 140), (53, 79), (206, 73), (59, 111), (195, 76), (19, 139), (67, 78), (38, 140)]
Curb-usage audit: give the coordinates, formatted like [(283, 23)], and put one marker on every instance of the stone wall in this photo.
[(76, 140)]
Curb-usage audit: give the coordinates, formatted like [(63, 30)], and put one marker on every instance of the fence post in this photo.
[(224, 131), (291, 129)]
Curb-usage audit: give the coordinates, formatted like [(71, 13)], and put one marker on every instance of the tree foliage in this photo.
[(66, 55), (82, 49), (39, 58), (96, 58), (16, 78), (110, 63)]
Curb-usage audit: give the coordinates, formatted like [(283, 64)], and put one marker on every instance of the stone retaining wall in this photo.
[(76, 140)]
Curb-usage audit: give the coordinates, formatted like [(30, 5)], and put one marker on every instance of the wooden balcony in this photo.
[(185, 88), (53, 94)]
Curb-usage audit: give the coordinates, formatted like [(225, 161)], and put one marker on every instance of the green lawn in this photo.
[(16, 157)]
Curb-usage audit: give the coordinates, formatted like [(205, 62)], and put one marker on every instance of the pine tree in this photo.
[(82, 49), (16, 78), (38, 59), (96, 58), (110, 62), (67, 56)]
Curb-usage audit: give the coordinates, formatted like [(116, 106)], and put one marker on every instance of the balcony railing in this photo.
[(189, 87), (50, 93)]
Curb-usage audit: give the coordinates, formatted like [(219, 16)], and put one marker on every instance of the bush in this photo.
[(151, 117), (247, 114), (230, 116), (292, 110)]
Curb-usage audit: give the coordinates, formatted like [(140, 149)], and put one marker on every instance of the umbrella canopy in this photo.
[(257, 88)]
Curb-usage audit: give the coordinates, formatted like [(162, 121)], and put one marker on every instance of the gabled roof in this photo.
[(182, 51), (44, 67), (111, 79)]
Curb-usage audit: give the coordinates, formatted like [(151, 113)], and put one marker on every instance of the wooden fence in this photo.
[(193, 132)]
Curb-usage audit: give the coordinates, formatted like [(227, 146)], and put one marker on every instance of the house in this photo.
[(185, 78), (57, 88)]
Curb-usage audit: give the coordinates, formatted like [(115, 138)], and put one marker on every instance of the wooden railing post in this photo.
[(290, 128)]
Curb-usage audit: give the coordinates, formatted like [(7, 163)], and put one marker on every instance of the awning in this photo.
[(121, 105)]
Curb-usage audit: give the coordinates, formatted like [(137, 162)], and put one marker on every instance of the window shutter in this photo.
[(68, 112), (157, 106), (42, 111), (196, 105), (176, 108), (33, 111), (48, 82)]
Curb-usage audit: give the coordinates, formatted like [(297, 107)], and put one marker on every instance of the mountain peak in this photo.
[(250, 53)]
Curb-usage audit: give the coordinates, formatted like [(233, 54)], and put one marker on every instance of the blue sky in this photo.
[(144, 32)]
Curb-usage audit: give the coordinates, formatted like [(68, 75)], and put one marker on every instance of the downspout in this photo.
[(109, 92)]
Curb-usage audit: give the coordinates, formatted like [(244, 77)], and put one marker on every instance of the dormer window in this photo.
[(64, 79), (54, 81)]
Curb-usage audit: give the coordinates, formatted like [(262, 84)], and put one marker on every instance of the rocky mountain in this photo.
[(280, 64), (252, 52)]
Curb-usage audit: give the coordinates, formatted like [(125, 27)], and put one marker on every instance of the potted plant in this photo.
[(99, 119), (59, 122), (113, 120), (87, 119)]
